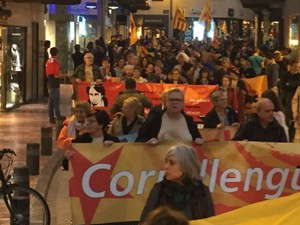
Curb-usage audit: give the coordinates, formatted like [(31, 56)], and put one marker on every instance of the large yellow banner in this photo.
[(279, 211), (111, 184)]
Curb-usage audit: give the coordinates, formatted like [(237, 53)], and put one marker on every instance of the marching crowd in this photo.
[(163, 60)]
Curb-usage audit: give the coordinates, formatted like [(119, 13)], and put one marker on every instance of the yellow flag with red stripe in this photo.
[(133, 31), (180, 22), (206, 16)]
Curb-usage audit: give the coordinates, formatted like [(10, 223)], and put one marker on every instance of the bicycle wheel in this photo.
[(24, 206)]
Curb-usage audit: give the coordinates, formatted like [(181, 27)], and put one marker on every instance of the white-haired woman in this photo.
[(181, 188)]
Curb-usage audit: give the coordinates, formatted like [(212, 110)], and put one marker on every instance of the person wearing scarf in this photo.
[(181, 188), (72, 127)]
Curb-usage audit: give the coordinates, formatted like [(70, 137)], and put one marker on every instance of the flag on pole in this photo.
[(180, 22), (133, 31), (206, 15), (224, 29), (216, 42)]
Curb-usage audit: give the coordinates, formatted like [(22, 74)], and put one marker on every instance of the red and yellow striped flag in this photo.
[(216, 42), (206, 15), (180, 22), (224, 29), (133, 31)]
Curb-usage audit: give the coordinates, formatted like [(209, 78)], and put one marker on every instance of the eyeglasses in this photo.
[(175, 100)]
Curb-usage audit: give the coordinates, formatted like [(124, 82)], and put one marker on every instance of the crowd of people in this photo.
[(171, 61), (174, 62)]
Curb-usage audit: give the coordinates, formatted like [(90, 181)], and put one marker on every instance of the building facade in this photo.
[(158, 18)]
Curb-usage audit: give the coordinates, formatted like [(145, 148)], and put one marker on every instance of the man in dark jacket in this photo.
[(289, 83), (129, 91), (77, 56), (264, 127)]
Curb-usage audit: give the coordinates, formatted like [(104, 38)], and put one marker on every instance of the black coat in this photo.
[(253, 131), (212, 119), (198, 205), (152, 126)]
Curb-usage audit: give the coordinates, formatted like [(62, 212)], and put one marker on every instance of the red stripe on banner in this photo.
[(227, 135), (221, 208), (254, 163), (291, 159)]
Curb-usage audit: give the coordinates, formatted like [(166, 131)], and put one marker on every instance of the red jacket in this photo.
[(52, 66)]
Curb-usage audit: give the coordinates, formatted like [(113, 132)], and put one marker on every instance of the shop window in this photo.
[(294, 31)]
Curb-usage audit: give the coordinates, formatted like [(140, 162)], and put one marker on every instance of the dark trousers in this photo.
[(54, 103)]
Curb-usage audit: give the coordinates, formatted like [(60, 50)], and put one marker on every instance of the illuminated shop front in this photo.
[(294, 31), (12, 66), (234, 27)]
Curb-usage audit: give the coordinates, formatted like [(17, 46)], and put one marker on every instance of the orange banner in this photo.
[(119, 178), (197, 101)]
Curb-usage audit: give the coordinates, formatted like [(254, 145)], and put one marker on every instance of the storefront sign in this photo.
[(195, 11), (119, 178), (152, 21)]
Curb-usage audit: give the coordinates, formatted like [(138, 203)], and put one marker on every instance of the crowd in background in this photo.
[(163, 60)]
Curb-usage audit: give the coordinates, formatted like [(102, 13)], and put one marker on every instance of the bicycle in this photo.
[(22, 205)]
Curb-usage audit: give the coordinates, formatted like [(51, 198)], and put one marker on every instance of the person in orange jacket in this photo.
[(73, 126)]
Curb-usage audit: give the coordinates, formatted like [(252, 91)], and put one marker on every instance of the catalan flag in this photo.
[(224, 29), (180, 22), (216, 42), (133, 31), (206, 15)]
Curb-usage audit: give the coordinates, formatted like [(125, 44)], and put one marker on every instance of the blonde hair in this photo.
[(187, 160), (134, 104), (215, 95)]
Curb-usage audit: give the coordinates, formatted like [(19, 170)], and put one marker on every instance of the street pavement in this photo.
[(58, 199), (23, 125)]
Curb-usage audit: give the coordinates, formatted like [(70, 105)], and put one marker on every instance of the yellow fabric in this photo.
[(133, 31), (279, 211), (180, 22), (206, 15)]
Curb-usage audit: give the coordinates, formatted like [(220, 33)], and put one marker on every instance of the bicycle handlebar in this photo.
[(6, 151)]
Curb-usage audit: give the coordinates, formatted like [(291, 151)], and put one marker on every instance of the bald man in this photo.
[(263, 127)]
